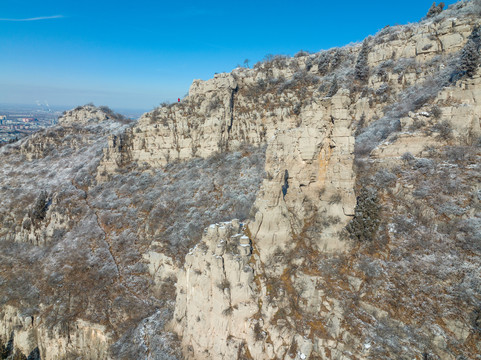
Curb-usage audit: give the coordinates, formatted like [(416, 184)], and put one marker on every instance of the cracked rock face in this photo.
[(30, 335), (218, 272), (96, 238), (310, 188)]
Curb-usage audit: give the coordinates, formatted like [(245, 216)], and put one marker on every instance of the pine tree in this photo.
[(435, 10), (362, 67), (364, 225), (470, 58)]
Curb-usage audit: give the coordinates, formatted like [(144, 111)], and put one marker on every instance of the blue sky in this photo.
[(136, 54)]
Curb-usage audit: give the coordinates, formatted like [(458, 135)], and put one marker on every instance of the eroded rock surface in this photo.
[(362, 241)]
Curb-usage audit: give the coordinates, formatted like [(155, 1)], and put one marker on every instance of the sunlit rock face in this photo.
[(324, 206)]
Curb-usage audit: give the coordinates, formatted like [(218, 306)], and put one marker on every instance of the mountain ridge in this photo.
[(352, 172)]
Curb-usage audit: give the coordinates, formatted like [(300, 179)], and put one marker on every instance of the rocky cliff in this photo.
[(324, 206)]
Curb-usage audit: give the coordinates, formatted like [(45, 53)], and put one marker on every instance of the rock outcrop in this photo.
[(362, 241), (29, 336), (217, 271), (310, 185)]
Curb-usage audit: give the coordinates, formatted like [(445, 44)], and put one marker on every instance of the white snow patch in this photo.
[(424, 113)]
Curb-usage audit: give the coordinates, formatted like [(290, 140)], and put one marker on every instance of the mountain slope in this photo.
[(342, 193)]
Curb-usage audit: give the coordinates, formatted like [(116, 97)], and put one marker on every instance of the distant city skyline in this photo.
[(137, 55)]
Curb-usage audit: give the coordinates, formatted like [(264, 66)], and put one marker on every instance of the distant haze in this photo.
[(136, 55)]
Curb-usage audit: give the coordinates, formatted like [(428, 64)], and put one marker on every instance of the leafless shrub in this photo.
[(272, 61), (112, 114), (477, 6), (301, 53), (323, 61), (436, 112), (228, 311), (232, 247), (149, 339), (407, 157), (300, 78), (403, 225), (329, 86), (296, 109), (214, 104), (476, 320), (224, 284), (27, 224), (371, 268), (384, 178), (444, 130), (421, 192), (455, 154), (335, 199), (417, 124), (258, 333)]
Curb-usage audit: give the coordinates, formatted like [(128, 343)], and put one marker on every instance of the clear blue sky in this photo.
[(136, 54)]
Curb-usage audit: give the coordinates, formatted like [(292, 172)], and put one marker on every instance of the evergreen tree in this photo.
[(362, 67), (435, 10), (364, 225), (470, 57)]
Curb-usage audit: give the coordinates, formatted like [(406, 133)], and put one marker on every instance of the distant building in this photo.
[(27, 120), (3, 117)]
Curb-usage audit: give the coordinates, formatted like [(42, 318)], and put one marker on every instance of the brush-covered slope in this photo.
[(80, 259), (325, 206)]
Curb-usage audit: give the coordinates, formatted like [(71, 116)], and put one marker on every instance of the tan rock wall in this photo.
[(92, 341)]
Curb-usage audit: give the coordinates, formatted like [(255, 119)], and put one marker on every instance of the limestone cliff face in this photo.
[(286, 306), (363, 238), (220, 113), (29, 337), (217, 269)]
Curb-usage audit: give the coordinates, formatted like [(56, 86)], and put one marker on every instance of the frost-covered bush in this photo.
[(301, 53), (301, 78), (214, 104), (323, 61), (175, 204), (372, 135), (149, 340), (384, 178), (444, 129), (329, 86), (411, 99)]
